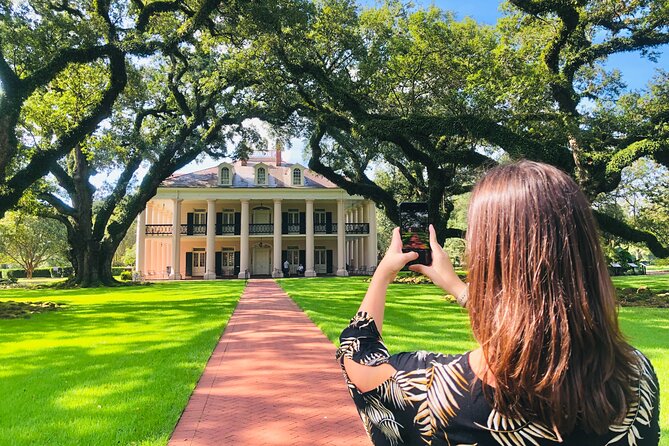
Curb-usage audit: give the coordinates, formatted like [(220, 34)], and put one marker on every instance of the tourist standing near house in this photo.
[(286, 268), (253, 216)]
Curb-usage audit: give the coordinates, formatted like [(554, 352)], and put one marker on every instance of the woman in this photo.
[(552, 366)]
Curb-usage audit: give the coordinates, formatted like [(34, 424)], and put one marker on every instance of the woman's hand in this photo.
[(395, 259), (441, 271)]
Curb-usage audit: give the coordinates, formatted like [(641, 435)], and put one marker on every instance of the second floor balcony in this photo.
[(254, 229)]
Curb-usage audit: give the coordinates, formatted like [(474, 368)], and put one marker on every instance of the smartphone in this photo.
[(415, 233)]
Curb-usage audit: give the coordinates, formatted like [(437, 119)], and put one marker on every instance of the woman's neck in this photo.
[(480, 368)]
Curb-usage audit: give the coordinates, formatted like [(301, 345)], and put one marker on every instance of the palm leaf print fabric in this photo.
[(434, 399)]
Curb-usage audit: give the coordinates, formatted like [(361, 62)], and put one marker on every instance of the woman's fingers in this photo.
[(418, 268), (396, 241), (434, 244)]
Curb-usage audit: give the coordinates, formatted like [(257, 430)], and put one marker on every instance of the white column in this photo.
[(176, 239), (140, 244), (309, 267), (371, 238), (361, 242), (354, 242), (244, 240), (341, 239), (210, 273), (276, 267), (166, 256), (148, 245)]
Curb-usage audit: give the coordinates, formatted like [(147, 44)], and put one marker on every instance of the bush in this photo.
[(21, 273), (16, 274), (661, 262), (118, 270), (126, 275)]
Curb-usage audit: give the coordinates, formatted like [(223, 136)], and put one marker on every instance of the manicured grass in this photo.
[(655, 282), (116, 366), (418, 318)]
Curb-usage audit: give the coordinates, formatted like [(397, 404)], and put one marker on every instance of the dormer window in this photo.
[(261, 174), (297, 177), (225, 173)]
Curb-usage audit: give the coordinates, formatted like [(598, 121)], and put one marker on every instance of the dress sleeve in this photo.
[(361, 342)]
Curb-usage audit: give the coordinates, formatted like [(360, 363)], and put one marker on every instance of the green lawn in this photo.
[(415, 314), (656, 282), (115, 367)]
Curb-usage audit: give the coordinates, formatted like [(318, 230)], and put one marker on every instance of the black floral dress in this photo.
[(434, 399)]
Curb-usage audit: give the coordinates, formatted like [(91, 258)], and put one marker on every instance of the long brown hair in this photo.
[(542, 304)]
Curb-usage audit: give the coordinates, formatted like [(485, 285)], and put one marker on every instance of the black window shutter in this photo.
[(236, 262), (189, 262), (328, 261), (219, 263), (328, 222), (238, 223), (219, 223), (284, 222), (189, 223), (303, 222), (284, 257), (303, 258)]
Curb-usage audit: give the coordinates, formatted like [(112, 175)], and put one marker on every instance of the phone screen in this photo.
[(414, 231)]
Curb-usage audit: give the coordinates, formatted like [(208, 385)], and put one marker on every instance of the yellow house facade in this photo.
[(252, 219)]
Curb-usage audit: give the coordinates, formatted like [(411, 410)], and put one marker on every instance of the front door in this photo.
[(199, 259), (320, 260), (261, 261)]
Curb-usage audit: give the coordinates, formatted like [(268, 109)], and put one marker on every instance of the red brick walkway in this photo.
[(272, 380)]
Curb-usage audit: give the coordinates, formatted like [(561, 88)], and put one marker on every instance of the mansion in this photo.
[(248, 218)]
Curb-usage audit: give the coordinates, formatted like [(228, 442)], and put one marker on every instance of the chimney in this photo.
[(279, 149)]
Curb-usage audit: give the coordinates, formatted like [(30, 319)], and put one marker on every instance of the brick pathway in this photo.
[(272, 380)]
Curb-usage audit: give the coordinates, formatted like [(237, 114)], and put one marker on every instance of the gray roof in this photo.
[(244, 176)]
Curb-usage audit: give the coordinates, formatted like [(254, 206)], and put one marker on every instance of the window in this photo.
[(293, 217), (261, 176), (228, 217), (319, 217), (225, 175), (297, 177), (199, 217)]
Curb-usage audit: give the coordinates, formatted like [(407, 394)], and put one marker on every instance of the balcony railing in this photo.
[(254, 229), (262, 228), (293, 228), (353, 228), (158, 230), (225, 229)]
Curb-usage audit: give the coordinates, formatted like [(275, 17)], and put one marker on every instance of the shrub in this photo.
[(21, 273), (126, 275), (118, 270), (661, 262), (16, 274)]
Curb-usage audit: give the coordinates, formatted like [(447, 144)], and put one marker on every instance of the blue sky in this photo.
[(636, 71)]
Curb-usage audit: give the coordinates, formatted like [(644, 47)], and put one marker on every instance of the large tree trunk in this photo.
[(92, 262)]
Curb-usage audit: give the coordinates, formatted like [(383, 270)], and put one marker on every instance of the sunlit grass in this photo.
[(116, 366), (419, 318), (655, 282)]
